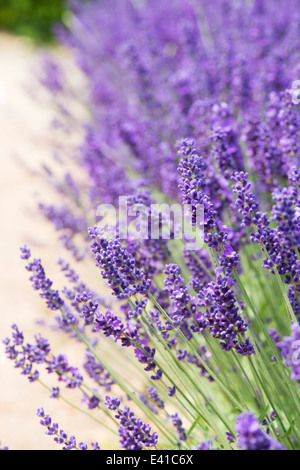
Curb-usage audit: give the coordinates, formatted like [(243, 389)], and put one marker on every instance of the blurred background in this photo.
[(31, 18), (27, 138)]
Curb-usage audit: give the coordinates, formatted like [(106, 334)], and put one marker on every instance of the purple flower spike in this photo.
[(250, 435)]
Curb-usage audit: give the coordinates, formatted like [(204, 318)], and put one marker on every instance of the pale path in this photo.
[(24, 133)]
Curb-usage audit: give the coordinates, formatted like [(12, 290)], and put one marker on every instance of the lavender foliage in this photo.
[(188, 103)]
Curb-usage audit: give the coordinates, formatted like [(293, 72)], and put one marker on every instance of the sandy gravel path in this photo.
[(25, 135)]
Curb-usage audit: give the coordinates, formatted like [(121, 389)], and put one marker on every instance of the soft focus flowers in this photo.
[(189, 103)]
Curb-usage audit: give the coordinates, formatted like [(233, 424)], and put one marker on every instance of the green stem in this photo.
[(214, 376)]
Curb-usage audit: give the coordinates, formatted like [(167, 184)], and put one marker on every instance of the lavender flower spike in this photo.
[(250, 436), (118, 266), (134, 434)]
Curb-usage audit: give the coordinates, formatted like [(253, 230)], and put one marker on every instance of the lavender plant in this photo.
[(189, 102)]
